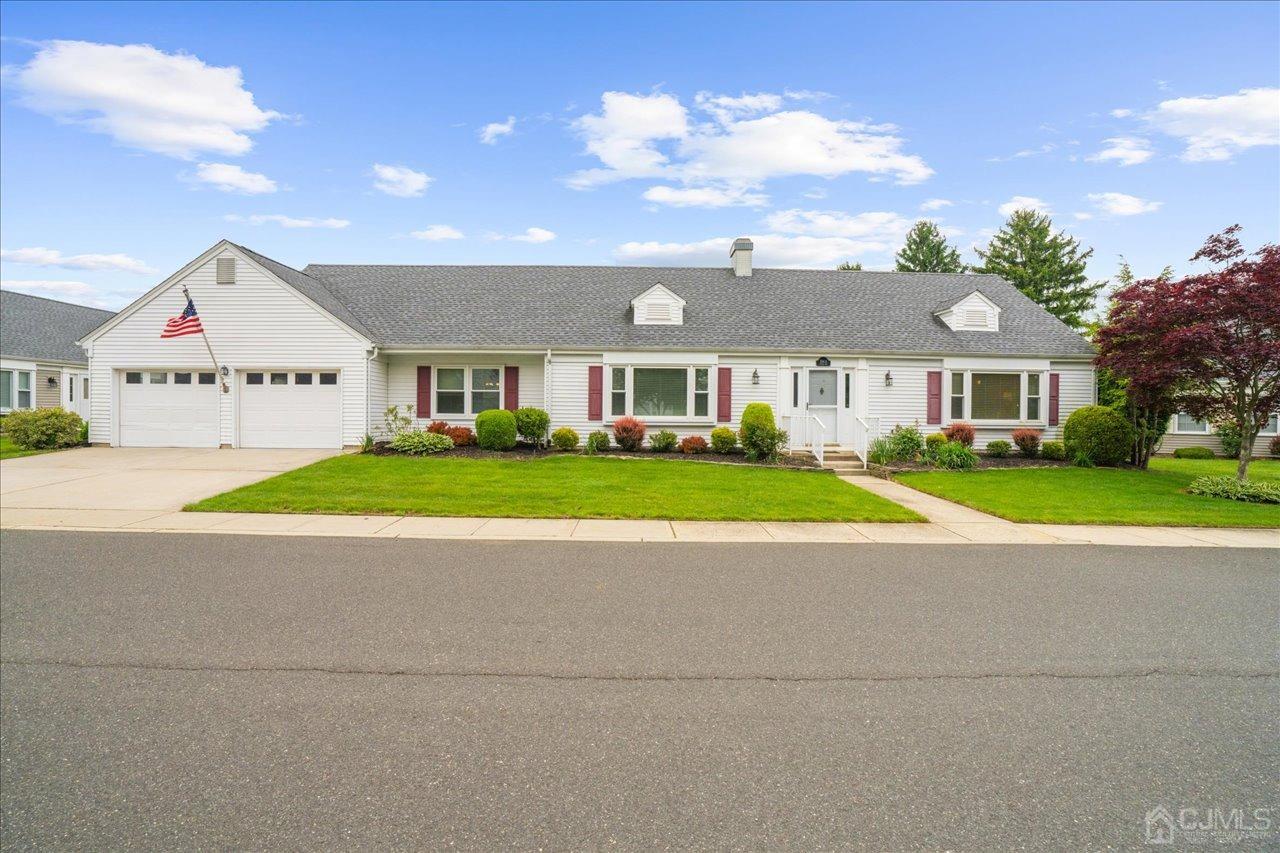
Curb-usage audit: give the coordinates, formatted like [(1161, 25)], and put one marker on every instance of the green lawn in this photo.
[(1104, 495), (9, 450), (558, 487)]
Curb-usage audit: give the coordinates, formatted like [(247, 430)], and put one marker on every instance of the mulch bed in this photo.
[(523, 452)]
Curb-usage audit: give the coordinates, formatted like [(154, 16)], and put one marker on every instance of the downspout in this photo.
[(373, 353)]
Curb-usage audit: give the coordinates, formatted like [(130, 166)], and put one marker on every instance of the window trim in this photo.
[(1022, 420), (691, 392), (15, 389), (1173, 426), (466, 390)]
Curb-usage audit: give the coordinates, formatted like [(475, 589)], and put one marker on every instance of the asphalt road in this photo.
[(167, 691)]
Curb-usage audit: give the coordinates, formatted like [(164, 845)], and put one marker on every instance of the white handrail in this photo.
[(864, 432), (817, 447)]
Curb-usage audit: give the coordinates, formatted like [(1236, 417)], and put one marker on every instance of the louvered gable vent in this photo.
[(657, 306), (226, 271), (972, 313)]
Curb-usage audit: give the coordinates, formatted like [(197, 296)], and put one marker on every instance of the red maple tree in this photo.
[(1208, 342)]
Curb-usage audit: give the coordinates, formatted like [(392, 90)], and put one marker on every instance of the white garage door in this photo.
[(290, 408), (169, 408)]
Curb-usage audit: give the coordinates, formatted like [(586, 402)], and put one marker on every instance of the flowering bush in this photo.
[(693, 444), (961, 432), (629, 433), (663, 441), (1028, 441)]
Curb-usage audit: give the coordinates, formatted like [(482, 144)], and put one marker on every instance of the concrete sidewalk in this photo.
[(967, 530)]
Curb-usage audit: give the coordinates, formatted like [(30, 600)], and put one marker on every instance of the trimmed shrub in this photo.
[(597, 442), (1193, 453), (418, 442), (43, 429), (692, 444), (1028, 441), (759, 434), (496, 429), (438, 427), (1229, 435), (1099, 434), (532, 425), (1055, 450), (932, 440), (961, 432), (565, 438), (1250, 491), (663, 441), (999, 448), (1275, 446), (462, 436), (954, 456), (723, 440), (629, 432)]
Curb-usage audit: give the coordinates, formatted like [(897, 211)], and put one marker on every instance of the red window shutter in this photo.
[(595, 392), (933, 413), (511, 387), (1053, 399), (724, 394), (424, 391)]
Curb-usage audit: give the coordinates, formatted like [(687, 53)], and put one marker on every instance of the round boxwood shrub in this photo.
[(723, 440), (1193, 453), (598, 441), (496, 429), (932, 440), (999, 448), (663, 441), (43, 429), (1053, 450), (1098, 434), (532, 425), (565, 438)]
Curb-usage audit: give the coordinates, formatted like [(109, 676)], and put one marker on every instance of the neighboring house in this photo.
[(1186, 431), (313, 358), (41, 365)]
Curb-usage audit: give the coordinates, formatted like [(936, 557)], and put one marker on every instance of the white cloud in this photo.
[(400, 181), (41, 257), (750, 142), (935, 204), (169, 103), (878, 226), (1121, 113), (1082, 216), (1217, 128), (288, 221), (772, 250), (1119, 204), (535, 235), (1023, 202), (435, 233), (232, 179), (721, 196), (1125, 150), (55, 289), (1047, 148), (495, 130)]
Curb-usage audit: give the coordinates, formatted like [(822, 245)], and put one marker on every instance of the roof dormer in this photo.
[(972, 313), (657, 306)]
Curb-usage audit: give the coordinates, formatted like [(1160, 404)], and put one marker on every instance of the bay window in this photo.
[(660, 392), (1012, 397), (466, 390)]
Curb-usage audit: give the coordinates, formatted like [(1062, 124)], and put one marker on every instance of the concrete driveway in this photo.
[(137, 478)]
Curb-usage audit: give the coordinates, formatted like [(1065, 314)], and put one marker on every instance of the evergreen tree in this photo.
[(1049, 268), (850, 266), (926, 250)]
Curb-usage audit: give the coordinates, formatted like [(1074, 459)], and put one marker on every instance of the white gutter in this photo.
[(373, 353)]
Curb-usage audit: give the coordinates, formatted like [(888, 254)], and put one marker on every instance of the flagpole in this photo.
[(217, 371)]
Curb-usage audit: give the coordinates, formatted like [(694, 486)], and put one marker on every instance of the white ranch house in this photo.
[(313, 357)]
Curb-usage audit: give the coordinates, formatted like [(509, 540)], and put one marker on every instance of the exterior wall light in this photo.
[(755, 377), (888, 379)]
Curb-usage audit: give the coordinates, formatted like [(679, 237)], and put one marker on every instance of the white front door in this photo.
[(168, 408), (822, 401), (290, 408), (75, 392)]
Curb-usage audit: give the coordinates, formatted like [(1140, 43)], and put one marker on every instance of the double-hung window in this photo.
[(660, 392), (1033, 396), (467, 390), (957, 396), (6, 389), (1185, 423)]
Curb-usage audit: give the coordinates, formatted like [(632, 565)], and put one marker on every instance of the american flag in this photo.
[(188, 323)]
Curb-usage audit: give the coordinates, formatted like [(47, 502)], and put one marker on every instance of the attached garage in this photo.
[(168, 408), (290, 408)]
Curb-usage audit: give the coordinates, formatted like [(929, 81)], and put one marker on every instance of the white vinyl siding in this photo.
[(402, 382), (257, 324)]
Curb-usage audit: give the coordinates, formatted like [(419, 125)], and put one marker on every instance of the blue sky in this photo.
[(640, 134)]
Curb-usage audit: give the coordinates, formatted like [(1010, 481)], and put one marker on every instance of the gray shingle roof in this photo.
[(40, 329), (309, 287), (776, 310)]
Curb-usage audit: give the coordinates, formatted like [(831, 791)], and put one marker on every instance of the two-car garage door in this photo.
[(180, 408)]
